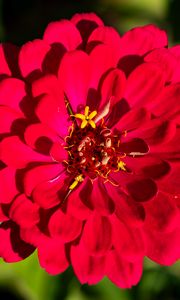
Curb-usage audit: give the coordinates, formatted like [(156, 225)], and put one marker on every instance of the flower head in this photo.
[(90, 150)]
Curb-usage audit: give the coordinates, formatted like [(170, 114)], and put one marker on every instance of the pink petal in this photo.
[(163, 248), (13, 249), (22, 154), (12, 92), (123, 273), (141, 40), (63, 32), (52, 256), (89, 269), (162, 214), (64, 226), (24, 212), (32, 55), (37, 175), (50, 193), (128, 241), (74, 76), (113, 87), (7, 178), (144, 84), (97, 235), (100, 199)]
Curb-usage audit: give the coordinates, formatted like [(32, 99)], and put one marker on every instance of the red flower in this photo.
[(90, 150)]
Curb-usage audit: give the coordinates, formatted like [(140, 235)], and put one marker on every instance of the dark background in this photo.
[(21, 21)]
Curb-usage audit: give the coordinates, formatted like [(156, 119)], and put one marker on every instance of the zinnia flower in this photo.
[(90, 150)]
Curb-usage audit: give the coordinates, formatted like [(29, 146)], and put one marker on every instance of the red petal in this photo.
[(163, 248), (142, 189), (63, 32), (168, 102), (78, 203), (22, 154), (4, 68), (162, 214), (128, 241), (7, 117), (86, 23), (39, 174), (7, 179), (133, 119), (102, 59), (74, 75), (108, 36), (141, 40), (35, 132), (126, 209), (12, 248), (64, 226), (165, 60), (155, 132), (113, 86), (86, 17), (144, 84), (24, 212), (171, 184), (31, 56), (100, 199), (3, 216), (52, 256), (50, 193), (53, 113), (88, 269), (97, 235), (12, 92), (123, 273)]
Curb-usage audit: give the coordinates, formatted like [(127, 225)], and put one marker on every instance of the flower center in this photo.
[(93, 150)]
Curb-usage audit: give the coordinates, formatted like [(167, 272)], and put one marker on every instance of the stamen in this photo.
[(77, 180), (121, 165)]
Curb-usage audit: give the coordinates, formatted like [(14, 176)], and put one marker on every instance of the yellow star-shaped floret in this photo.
[(87, 118)]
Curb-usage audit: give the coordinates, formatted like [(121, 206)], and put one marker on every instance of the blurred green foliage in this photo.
[(21, 21)]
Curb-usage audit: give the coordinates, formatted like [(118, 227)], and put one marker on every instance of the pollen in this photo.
[(87, 118)]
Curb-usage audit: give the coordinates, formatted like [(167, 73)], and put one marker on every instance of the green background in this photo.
[(21, 21)]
